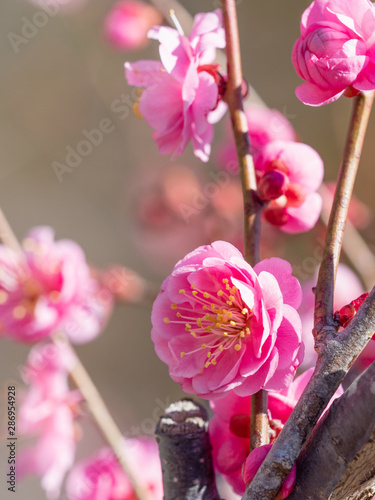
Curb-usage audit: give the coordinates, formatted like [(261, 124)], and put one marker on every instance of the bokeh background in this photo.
[(66, 79)]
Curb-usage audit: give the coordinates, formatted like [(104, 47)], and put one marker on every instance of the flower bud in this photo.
[(272, 185)]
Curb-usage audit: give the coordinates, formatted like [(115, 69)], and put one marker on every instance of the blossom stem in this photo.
[(324, 293), (83, 381), (101, 415), (252, 205)]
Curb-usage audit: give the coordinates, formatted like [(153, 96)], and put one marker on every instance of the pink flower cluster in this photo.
[(222, 325), (181, 91), (336, 51), (48, 412), (230, 429), (48, 288), (100, 477), (288, 172)]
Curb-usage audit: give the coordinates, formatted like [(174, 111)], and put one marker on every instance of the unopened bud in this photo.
[(240, 425)]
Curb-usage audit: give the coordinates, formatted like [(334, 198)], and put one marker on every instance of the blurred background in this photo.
[(66, 78)]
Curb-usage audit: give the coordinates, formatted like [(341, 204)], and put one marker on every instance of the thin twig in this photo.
[(355, 247), (101, 415), (83, 382), (252, 205), (335, 230)]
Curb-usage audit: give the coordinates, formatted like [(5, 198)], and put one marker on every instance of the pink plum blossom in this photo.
[(100, 477), (181, 90), (222, 325), (289, 173), (265, 125), (48, 288), (230, 428), (255, 460), (47, 413), (128, 22), (336, 50)]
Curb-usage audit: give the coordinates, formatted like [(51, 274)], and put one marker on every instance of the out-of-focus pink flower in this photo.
[(47, 412), (359, 214), (230, 428), (221, 325), (347, 286), (289, 173), (255, 460), (265, 125), (128, 22), (181, 91), (102, 478), (336, 50), (49, 288)]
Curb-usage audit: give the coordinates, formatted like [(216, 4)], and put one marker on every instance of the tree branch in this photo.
[(341, 350), (325, 287), (252, 205), (341, 448), (185, 453)]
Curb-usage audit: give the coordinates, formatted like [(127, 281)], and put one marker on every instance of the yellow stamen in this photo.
[(237, 347), (166, 320), (232, 298), (221, 347), (233, 323), (244, 311), (193, 334), (209, 354), (182, 355), (207, 364), (181, 291), (206, 295), (213, 361), (195, 293), (173, 306), (225, 280), (136, 111), (220, 293), (187, 326), (204, 346)]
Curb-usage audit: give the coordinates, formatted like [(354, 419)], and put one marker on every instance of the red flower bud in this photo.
[(272, 185), (240, 425), (344, 315)]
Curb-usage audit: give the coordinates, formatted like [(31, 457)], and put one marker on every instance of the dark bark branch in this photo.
[(341, 448), (340, 352), (185, 453)]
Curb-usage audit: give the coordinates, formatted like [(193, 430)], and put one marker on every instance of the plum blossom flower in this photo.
[(255, 460), (181, 91), (289, 173), (49, 288), (48, 412), (222, 325), (230, 428), (265, 125), (336, 51), (100, 477), (128, 22)]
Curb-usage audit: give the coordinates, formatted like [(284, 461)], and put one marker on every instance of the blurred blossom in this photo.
[(47, 414), (48, 288), (181, 90), (176, 210), (265, 125), (336, 51), (359, 214), (347, 288), (230, 428), (289, 173), (101, 477), (128, 22), (221, 325)]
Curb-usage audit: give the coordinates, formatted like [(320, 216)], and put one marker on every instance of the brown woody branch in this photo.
[(339, 456), (185, 453)]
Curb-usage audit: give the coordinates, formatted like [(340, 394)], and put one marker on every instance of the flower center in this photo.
[(219, 321)]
